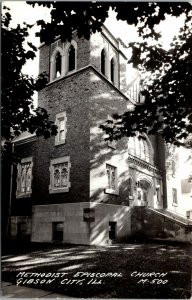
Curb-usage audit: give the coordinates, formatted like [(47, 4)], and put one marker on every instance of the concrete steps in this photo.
[(158, 224), (174, 216)]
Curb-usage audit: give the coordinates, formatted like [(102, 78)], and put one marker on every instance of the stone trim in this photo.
[(55, 161), (59, 116), (141, 163), (25, 194)]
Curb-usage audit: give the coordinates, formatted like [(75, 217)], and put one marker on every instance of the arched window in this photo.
[(139, 147), (112, 65), (103, 59), (71, 58), (57, 64)]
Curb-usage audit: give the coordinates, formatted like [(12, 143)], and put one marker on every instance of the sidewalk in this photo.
[(8, 290)]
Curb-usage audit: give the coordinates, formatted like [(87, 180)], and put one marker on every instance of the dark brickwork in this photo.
[(70, 95), (83, 55)]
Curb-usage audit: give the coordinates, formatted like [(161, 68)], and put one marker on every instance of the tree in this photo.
[(166, 75), (18, 113)]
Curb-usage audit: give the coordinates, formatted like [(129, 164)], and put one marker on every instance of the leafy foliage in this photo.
[(88, 17), (167, 75), (18, 113)]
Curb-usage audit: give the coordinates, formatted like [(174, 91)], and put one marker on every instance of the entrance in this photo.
[(143, 192), (112, 230)]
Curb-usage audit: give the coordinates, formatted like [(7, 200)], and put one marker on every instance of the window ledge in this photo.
[(57, 191), (23, 195), (60, 143), (112, 192), (61, 76)]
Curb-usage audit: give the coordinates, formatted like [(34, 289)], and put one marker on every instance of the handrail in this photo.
[(169, 217), (176, 213)]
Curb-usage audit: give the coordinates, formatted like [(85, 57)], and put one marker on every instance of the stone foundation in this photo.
[(83, 223)]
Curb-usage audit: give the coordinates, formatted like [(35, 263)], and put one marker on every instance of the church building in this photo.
[(76, 187)]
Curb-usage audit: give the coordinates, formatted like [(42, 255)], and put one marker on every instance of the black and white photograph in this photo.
[(96, 149)]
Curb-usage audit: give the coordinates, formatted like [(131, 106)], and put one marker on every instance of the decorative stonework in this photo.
[(59, 175), (24, 178), (143, 164)]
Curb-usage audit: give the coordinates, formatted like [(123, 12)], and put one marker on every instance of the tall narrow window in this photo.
[(57, 65), (142, 149), (173, 166), (59, 175), (130, 187), (24, 178), (103, 58), (147, 152), (112, 183), (112, 70), (61, 120), (71, 58), (174, 194)]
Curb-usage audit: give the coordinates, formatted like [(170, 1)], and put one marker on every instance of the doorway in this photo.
[(112, 230), (144, 193)]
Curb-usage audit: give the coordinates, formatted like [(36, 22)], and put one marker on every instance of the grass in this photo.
[(125, 259)]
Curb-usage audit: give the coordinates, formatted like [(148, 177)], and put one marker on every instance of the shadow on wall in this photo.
[(105, 102)]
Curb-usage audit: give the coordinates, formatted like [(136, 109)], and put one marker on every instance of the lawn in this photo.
[(134, 270)]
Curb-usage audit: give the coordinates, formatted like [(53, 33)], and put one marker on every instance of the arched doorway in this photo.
[(144, 193)]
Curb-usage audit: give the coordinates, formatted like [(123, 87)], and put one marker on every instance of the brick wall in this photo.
[(71, 95), (83, 55)]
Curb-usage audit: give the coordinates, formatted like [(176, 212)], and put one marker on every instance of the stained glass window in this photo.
[(24, 177), (59, 175)]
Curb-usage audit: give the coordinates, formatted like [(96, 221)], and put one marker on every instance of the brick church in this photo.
[(76, 187)]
